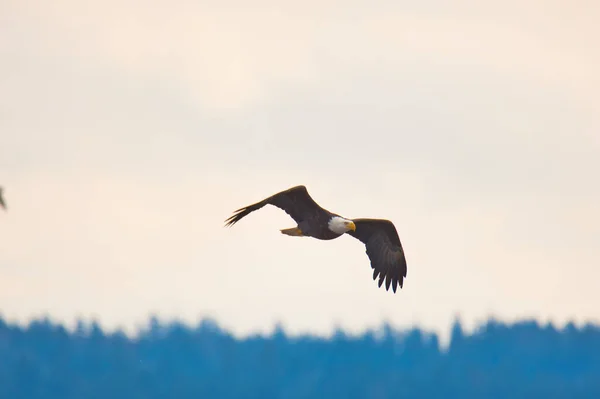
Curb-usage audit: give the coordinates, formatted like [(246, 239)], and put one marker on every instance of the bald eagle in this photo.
[(379, 236), (2, 203)]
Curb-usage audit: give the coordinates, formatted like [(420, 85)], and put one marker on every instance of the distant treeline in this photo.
[(522, 360)]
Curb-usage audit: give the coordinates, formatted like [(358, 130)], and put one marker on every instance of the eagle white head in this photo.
[(340, 225)]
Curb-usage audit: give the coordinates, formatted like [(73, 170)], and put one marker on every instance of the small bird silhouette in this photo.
[(2, 203)]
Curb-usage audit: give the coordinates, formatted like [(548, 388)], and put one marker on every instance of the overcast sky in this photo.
[(129, 131)]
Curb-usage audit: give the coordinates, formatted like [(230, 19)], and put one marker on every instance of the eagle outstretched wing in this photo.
[(2, 202), (295, 201), (384, 250)]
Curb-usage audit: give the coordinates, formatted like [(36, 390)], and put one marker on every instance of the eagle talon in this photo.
[(294, 232)]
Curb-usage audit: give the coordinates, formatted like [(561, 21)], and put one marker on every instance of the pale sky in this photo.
[(129, 131)]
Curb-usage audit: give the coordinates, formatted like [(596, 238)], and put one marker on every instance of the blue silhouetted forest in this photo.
[(43, 359)]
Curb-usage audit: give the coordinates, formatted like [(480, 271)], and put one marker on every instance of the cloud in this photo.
[(135, 130), (228, 55)]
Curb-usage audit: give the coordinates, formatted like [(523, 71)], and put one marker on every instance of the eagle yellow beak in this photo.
[(352, 226)]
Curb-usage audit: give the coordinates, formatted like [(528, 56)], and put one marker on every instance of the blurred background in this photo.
[(129, 131)]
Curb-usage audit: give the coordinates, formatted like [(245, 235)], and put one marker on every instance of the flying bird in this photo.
[(379, 236), (2, 203)]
